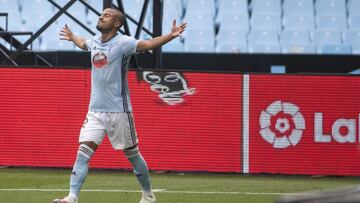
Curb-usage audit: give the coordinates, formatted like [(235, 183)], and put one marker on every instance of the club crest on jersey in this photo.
[(99, 60)]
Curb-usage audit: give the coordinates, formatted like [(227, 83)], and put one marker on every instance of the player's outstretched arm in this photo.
[(145, 45), (66, 34)]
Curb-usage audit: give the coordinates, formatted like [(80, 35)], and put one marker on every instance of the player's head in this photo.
[(110, 20)]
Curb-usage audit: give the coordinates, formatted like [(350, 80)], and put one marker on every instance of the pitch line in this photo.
[(154, 190)]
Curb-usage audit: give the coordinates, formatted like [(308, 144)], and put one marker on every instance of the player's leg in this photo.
[(91, 135), (123, 137), (141, 172), (80, 170)]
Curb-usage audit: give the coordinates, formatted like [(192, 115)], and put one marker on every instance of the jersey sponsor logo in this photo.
[(99, 60), (171, 86), (282, 124)]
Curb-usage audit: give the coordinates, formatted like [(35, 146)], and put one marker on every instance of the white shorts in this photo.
[(119, 127)]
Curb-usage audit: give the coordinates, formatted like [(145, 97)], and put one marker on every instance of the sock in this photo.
[(80, 169), (142, 172)]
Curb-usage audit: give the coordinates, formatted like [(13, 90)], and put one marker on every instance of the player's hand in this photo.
[(177, 30), (66, 34)]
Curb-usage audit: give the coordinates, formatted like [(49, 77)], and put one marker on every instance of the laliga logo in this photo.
[(282, 124)]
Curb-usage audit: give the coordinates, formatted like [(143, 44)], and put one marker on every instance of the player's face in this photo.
[(107, 21)]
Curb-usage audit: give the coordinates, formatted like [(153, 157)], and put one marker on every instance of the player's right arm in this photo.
[(66, 34)]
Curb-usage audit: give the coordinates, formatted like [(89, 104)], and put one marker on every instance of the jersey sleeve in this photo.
[(88, 43), (129, 45)]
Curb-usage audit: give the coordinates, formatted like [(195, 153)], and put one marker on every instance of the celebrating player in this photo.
[(110, 110)]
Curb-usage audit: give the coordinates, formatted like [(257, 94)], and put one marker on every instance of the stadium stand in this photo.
[(213, 18)]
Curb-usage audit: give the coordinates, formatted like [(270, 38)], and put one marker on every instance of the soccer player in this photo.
[(110, 110)]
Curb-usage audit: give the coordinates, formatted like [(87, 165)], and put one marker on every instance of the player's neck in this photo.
[(107, 36)]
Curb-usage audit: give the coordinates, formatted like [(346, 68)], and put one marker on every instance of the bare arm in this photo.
[(146, 45), (66, 34)]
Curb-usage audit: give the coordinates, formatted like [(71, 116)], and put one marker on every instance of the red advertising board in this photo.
[(185, 121), (302, 124)]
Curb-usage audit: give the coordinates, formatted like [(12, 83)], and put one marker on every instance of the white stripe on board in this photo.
[(154, 190), (245, 160)]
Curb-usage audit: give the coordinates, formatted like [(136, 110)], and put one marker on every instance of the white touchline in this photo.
[(154, 190)]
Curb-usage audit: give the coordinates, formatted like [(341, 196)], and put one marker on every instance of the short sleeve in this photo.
[(88, 43), (129, 45)]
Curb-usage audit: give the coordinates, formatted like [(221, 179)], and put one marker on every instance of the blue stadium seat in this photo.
[(294, 37), (330, 7), (233, 7), (173, 8), (298, 7), (201, 6), (261, 36), (228, 35), (335, 21), (266, 7), (58, 45), (336, 49), (354, 21), (266, 21), (353, 7), (199, 36), (173, 46), (352, 37), (299, 21), (199, 48), (198, 20), (265, 48), (298, 49), (231, 48), (199, 40), (234, 21), (326, 37)]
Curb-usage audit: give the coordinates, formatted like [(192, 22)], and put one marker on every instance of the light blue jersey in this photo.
[(110, 61)]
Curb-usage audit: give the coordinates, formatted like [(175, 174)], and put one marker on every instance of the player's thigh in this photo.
[(122, 134), (93, 129)]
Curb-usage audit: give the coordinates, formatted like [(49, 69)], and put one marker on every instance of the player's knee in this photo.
[(132, 151)]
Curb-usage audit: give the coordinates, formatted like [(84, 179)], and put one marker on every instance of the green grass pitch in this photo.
[(24, 185)]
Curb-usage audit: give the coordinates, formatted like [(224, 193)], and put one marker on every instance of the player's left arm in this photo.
[(145, 45)]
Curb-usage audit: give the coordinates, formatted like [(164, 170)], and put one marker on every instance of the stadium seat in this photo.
[(261, 36), (204, 6), (326, 37), (233, 7), (336, 21), (173, 46), (228, 35), (231, 41), (197, 40), (294, 37), (298, 49), (173, 8), (57, 45), (265, 48), (234, 21), (352, 37), (231, 48), (336, 49), (331, 7), (199, 48), (199, 36), (298, 7), (198, 20), (356, 49), (266, 21), (354, 21), (299, 21), (353, 7), (266, 7)]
